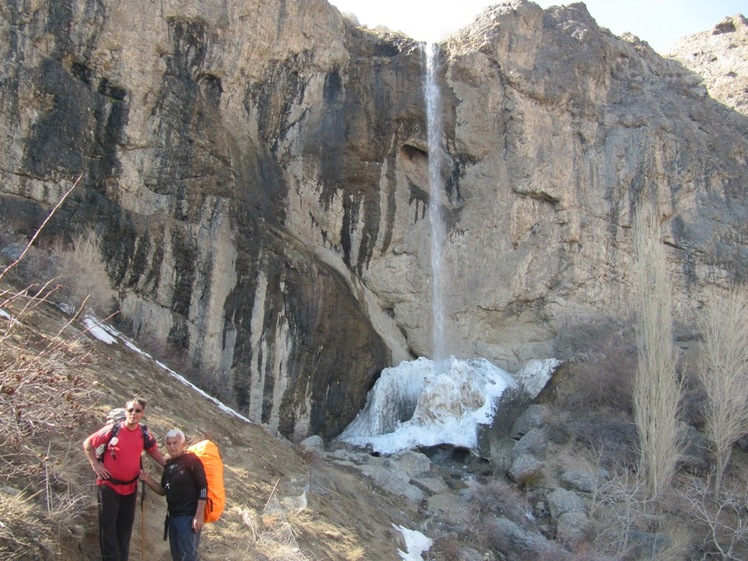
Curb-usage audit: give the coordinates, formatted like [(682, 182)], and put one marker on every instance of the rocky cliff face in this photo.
[(720, 56), (257, 171)]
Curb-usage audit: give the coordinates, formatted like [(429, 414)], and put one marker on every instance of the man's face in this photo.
[(133, 412), (174, 446)]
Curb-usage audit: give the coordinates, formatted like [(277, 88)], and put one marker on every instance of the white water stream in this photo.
[(436, 156), (424, 402)]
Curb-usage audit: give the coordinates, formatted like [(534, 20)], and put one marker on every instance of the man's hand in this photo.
[(100, 471)]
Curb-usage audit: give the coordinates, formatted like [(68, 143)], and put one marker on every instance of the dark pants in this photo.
[(183, 541), (116, 518)]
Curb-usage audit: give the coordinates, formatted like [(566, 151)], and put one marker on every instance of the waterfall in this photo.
[(442, 401), (436, 155)]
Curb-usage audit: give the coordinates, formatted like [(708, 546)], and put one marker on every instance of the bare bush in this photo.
[(628, 524), (602, 370), (613, 438), (83, 277), (272, 534), (446, 548), (498, 498), (657, 390), (723, 520), (723, 372)]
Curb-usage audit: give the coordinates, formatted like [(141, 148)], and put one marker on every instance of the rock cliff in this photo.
[(719, 55), (258, 173)]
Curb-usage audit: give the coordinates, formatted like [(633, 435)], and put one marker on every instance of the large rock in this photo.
[(258, 173)]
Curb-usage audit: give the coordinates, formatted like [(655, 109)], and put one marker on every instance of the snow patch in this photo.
[(415, 544), (98, 330), (109, 335)]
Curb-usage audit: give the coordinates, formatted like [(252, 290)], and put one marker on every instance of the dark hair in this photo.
[(137, 398)]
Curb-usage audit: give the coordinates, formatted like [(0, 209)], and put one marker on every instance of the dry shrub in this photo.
[(73, 274), (498, 498), (83, 277), (495, 507), (619, 511), (721, 520), (679, 545), (446, 548), (272, 535), (612, 438), (601, 373), (627, 524)]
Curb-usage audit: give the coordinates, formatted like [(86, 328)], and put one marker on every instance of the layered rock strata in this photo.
[(258, 173)]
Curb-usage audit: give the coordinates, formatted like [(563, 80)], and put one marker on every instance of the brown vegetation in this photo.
[(57, 384)]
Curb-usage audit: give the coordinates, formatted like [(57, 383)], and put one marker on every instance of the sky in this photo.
[(659, 22)]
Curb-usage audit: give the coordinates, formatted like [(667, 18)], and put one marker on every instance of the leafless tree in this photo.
[(657, 391), (723, 371)]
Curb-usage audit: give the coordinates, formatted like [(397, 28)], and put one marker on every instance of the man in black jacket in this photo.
[(186, 489)]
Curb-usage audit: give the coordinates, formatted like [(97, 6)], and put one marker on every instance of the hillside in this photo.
[(344, 518), (561, 484)]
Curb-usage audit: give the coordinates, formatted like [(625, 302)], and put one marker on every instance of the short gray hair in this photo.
[(176, 432)]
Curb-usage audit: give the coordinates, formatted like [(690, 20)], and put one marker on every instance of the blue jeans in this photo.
[(183, 541)]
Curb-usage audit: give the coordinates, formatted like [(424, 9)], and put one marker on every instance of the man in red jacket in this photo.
[(117, 473)]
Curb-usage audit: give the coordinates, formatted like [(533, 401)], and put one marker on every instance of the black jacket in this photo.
[(185, 483)]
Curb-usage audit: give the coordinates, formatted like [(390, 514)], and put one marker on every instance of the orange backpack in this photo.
[(208, 453)]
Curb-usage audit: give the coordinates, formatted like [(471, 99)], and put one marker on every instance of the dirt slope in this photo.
[(339, 505), (343, 517)]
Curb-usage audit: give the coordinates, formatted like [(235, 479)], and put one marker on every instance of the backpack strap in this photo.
[(149, 441), (102, 448)]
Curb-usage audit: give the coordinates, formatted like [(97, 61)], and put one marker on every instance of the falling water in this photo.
[(423, 403), (436, 202)]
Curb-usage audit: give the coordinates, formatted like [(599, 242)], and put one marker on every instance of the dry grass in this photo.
[(43, 399)]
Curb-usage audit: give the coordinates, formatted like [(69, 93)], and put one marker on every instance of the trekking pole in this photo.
[(142, 523)]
